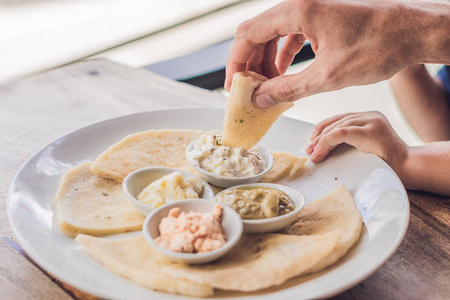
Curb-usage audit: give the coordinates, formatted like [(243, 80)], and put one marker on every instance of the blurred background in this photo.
[(186, 40), (36, 35)]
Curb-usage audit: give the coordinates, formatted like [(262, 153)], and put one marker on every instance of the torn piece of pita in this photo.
[(153, 148), (284, 163), (86, 203), (337, 210), (135, 259), (244, 124)]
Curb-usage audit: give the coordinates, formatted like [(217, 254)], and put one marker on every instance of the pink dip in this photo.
[(192, 232)]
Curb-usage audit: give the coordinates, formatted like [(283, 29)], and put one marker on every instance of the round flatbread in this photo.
[(153, 148), (86, 203)]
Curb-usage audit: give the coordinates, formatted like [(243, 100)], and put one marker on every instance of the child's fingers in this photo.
[(325, 123), (352, 135), (345, 121)]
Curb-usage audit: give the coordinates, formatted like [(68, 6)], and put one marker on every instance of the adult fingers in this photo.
[(292, 44), (268, 66), (255, 60), (279, 20), (288, 88)]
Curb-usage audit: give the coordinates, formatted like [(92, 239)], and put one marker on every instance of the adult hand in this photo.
[(368, 131), (355, 43)]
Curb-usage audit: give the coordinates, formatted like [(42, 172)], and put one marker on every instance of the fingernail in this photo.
[(309, 148), (264, 101), (312, 135)]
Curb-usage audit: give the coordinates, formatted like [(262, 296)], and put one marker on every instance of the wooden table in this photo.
[(36, 110)]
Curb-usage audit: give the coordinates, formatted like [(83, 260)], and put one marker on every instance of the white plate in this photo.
[(379, 194)]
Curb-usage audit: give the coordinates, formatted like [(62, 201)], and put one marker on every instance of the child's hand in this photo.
[(368, 131)]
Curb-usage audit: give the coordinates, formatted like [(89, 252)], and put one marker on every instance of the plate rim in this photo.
[(34, 255)]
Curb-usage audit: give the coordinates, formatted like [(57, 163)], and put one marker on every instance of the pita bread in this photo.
[(244, 124), (327, 228), (244, 268), (86, 203), (153, 148), (135, 259), (334, 217), (284, 163), (336, 211)]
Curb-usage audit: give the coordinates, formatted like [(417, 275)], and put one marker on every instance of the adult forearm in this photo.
[(418, 31), (433, 36), (427, 168)]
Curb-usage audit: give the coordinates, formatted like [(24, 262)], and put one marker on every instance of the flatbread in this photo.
[(135, 259), (327, 228), (337, 210), (245, 268), (260, 261), (334, 218), (284, 163), (244, 124), (86, 203), (153, 148)]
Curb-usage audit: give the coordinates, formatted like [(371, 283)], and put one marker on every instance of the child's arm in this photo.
[(423, 168), (423, 102), (427, 168)]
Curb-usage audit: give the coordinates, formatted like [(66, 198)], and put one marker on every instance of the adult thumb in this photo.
[(285, 88)]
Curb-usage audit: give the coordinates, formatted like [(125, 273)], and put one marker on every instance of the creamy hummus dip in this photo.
[(257, 203), (192, 232), (216, 158)]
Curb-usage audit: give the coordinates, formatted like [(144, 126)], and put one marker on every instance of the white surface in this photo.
[(231, 224), (187, 38), (227, 181), (378, 192), (46, 34), (276, 223), (138, 180)]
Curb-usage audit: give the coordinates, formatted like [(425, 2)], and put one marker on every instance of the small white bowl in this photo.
[(276, 223), (227, 181), (231, 225), (138, 180)]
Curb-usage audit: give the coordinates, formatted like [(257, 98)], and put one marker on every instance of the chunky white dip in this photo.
[(170, 188), (216, 158)]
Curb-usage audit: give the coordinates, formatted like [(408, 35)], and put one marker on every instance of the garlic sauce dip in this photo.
[(216, 158)]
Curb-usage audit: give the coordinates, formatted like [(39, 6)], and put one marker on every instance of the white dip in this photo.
[(216, 158)]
